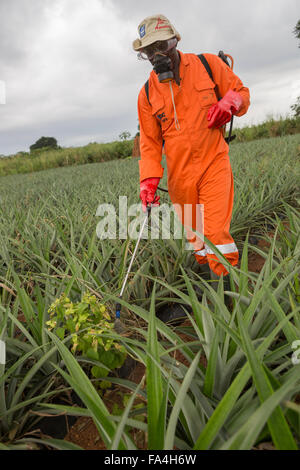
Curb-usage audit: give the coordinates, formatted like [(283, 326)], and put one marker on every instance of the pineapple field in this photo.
[(226, 378)]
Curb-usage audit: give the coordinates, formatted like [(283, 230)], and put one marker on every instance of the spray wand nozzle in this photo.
[(118, 325)]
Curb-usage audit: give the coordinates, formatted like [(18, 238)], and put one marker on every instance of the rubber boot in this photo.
[(204, 272), (126, 369), (173, 314), (226, 286)]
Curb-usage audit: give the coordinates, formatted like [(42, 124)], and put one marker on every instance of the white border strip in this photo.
[(2, 92), (2, 352)]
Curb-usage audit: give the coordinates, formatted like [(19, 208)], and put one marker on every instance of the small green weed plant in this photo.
[(89, 323)]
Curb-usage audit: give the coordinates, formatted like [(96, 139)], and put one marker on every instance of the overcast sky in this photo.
[(71, 73)]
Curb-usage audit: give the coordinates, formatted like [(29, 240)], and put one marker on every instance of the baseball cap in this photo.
[(154, 28)]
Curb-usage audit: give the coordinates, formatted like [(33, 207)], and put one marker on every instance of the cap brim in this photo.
[(140, 44)]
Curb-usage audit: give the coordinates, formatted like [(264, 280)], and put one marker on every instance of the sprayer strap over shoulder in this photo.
[(206, 65), (147, 90)]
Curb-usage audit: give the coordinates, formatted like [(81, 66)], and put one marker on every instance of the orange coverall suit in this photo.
[(198, 165)]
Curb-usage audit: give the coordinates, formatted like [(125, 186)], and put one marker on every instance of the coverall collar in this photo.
[(184, 62), (183, 58)]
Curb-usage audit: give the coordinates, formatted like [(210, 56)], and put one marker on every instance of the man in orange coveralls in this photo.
[(183, 112)]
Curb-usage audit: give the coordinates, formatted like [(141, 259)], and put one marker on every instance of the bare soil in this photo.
[(84, 433)]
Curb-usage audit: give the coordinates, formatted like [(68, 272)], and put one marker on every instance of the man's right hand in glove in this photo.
[(148, 189)]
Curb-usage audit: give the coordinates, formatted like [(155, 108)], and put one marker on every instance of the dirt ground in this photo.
[(84, 432)]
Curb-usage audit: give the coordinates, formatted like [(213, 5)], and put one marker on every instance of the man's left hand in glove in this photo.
[(220, 113)]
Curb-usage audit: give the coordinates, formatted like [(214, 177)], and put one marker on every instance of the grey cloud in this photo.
[(256, 32), (74, 132), (21, 24)]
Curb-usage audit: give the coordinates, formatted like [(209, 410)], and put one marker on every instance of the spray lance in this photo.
[(225, 58), (118, 324)]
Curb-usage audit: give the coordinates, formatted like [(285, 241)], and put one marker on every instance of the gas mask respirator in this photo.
[(157, 54), (162, 67)]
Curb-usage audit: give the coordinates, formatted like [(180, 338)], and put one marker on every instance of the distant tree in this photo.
[(125, 135), (296, 107), (296, 31), (138, 132), (21, 153), (43, 142)]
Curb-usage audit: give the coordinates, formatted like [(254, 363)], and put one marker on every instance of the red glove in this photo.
[(148, 189), (220, 113)]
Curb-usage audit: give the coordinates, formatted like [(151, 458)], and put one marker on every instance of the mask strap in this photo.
[(177, 125)]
